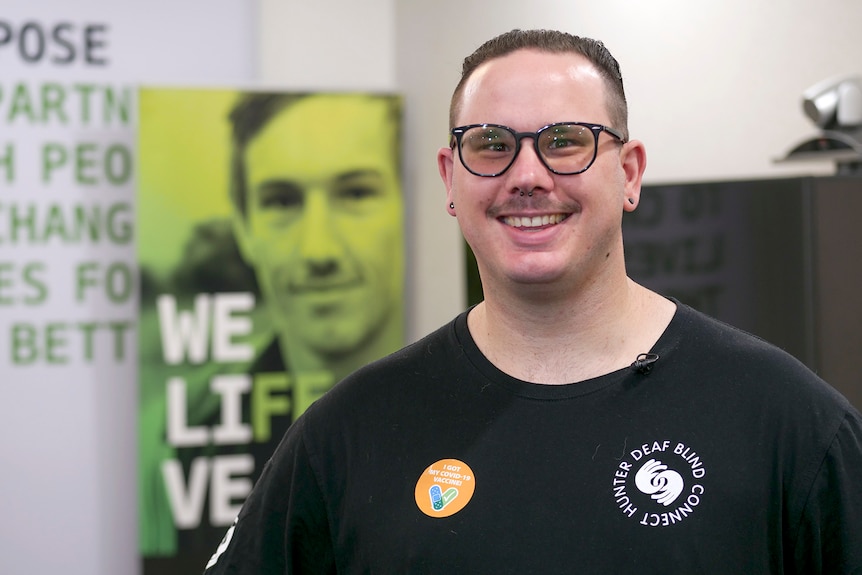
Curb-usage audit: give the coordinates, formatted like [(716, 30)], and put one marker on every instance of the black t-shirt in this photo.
[(195, 545), (729, 456)]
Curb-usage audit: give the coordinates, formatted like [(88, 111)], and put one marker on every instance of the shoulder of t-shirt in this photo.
[(723, 344), (698, 328)]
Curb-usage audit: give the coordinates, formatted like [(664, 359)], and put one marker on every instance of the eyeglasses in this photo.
[(565, 148)]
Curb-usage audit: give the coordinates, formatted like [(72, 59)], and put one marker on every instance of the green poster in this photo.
[(271, 252)]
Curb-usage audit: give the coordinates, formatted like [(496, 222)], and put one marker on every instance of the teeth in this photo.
[(534, 222)]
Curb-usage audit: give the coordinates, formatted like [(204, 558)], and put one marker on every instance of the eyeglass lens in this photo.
[(565, 148)]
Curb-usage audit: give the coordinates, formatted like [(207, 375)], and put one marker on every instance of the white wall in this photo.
[(328, 44)]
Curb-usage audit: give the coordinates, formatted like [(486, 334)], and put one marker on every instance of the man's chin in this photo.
[(333, 337), (331, 343)]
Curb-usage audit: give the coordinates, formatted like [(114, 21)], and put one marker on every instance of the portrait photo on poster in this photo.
[(271, 252)]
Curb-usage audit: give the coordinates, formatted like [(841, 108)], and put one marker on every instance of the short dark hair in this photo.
[(251, 113), (552, 41), (254, 110)]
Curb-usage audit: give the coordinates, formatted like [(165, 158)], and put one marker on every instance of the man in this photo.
[(318, 216), (572, 422)]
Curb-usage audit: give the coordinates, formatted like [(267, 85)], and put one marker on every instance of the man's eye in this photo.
[(280, 196), (563, 143), (562, 138), (492, 146), (357, 192), (490, 143)]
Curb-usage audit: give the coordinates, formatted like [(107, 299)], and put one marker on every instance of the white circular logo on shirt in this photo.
[(659, 483)]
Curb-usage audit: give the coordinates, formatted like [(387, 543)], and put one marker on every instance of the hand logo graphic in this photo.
[(656, 480)]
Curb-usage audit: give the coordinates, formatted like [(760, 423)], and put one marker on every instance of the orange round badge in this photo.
[(445, 488)]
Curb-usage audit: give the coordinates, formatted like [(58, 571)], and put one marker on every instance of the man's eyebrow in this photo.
[(288, 183), (279, 183), (358, 173)]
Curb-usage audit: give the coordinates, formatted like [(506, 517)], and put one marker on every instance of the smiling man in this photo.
[(319, 218), (573, 421)]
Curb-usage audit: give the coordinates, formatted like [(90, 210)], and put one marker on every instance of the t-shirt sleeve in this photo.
[(829, 539), (283, 526)]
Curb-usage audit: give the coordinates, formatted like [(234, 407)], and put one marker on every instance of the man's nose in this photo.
[(528, 171), (319, 244)]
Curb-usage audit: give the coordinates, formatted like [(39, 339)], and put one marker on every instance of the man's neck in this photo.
[(569, 339)]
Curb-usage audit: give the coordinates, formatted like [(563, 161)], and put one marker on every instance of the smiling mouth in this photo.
[(534, 221)]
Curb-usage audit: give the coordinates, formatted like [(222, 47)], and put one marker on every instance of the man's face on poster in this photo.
[(323, 223)]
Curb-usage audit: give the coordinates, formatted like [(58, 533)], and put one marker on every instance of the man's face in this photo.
[(323, 225), (580, 214)]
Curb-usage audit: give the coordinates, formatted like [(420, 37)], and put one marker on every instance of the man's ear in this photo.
[(633, 161), (445, 164)]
